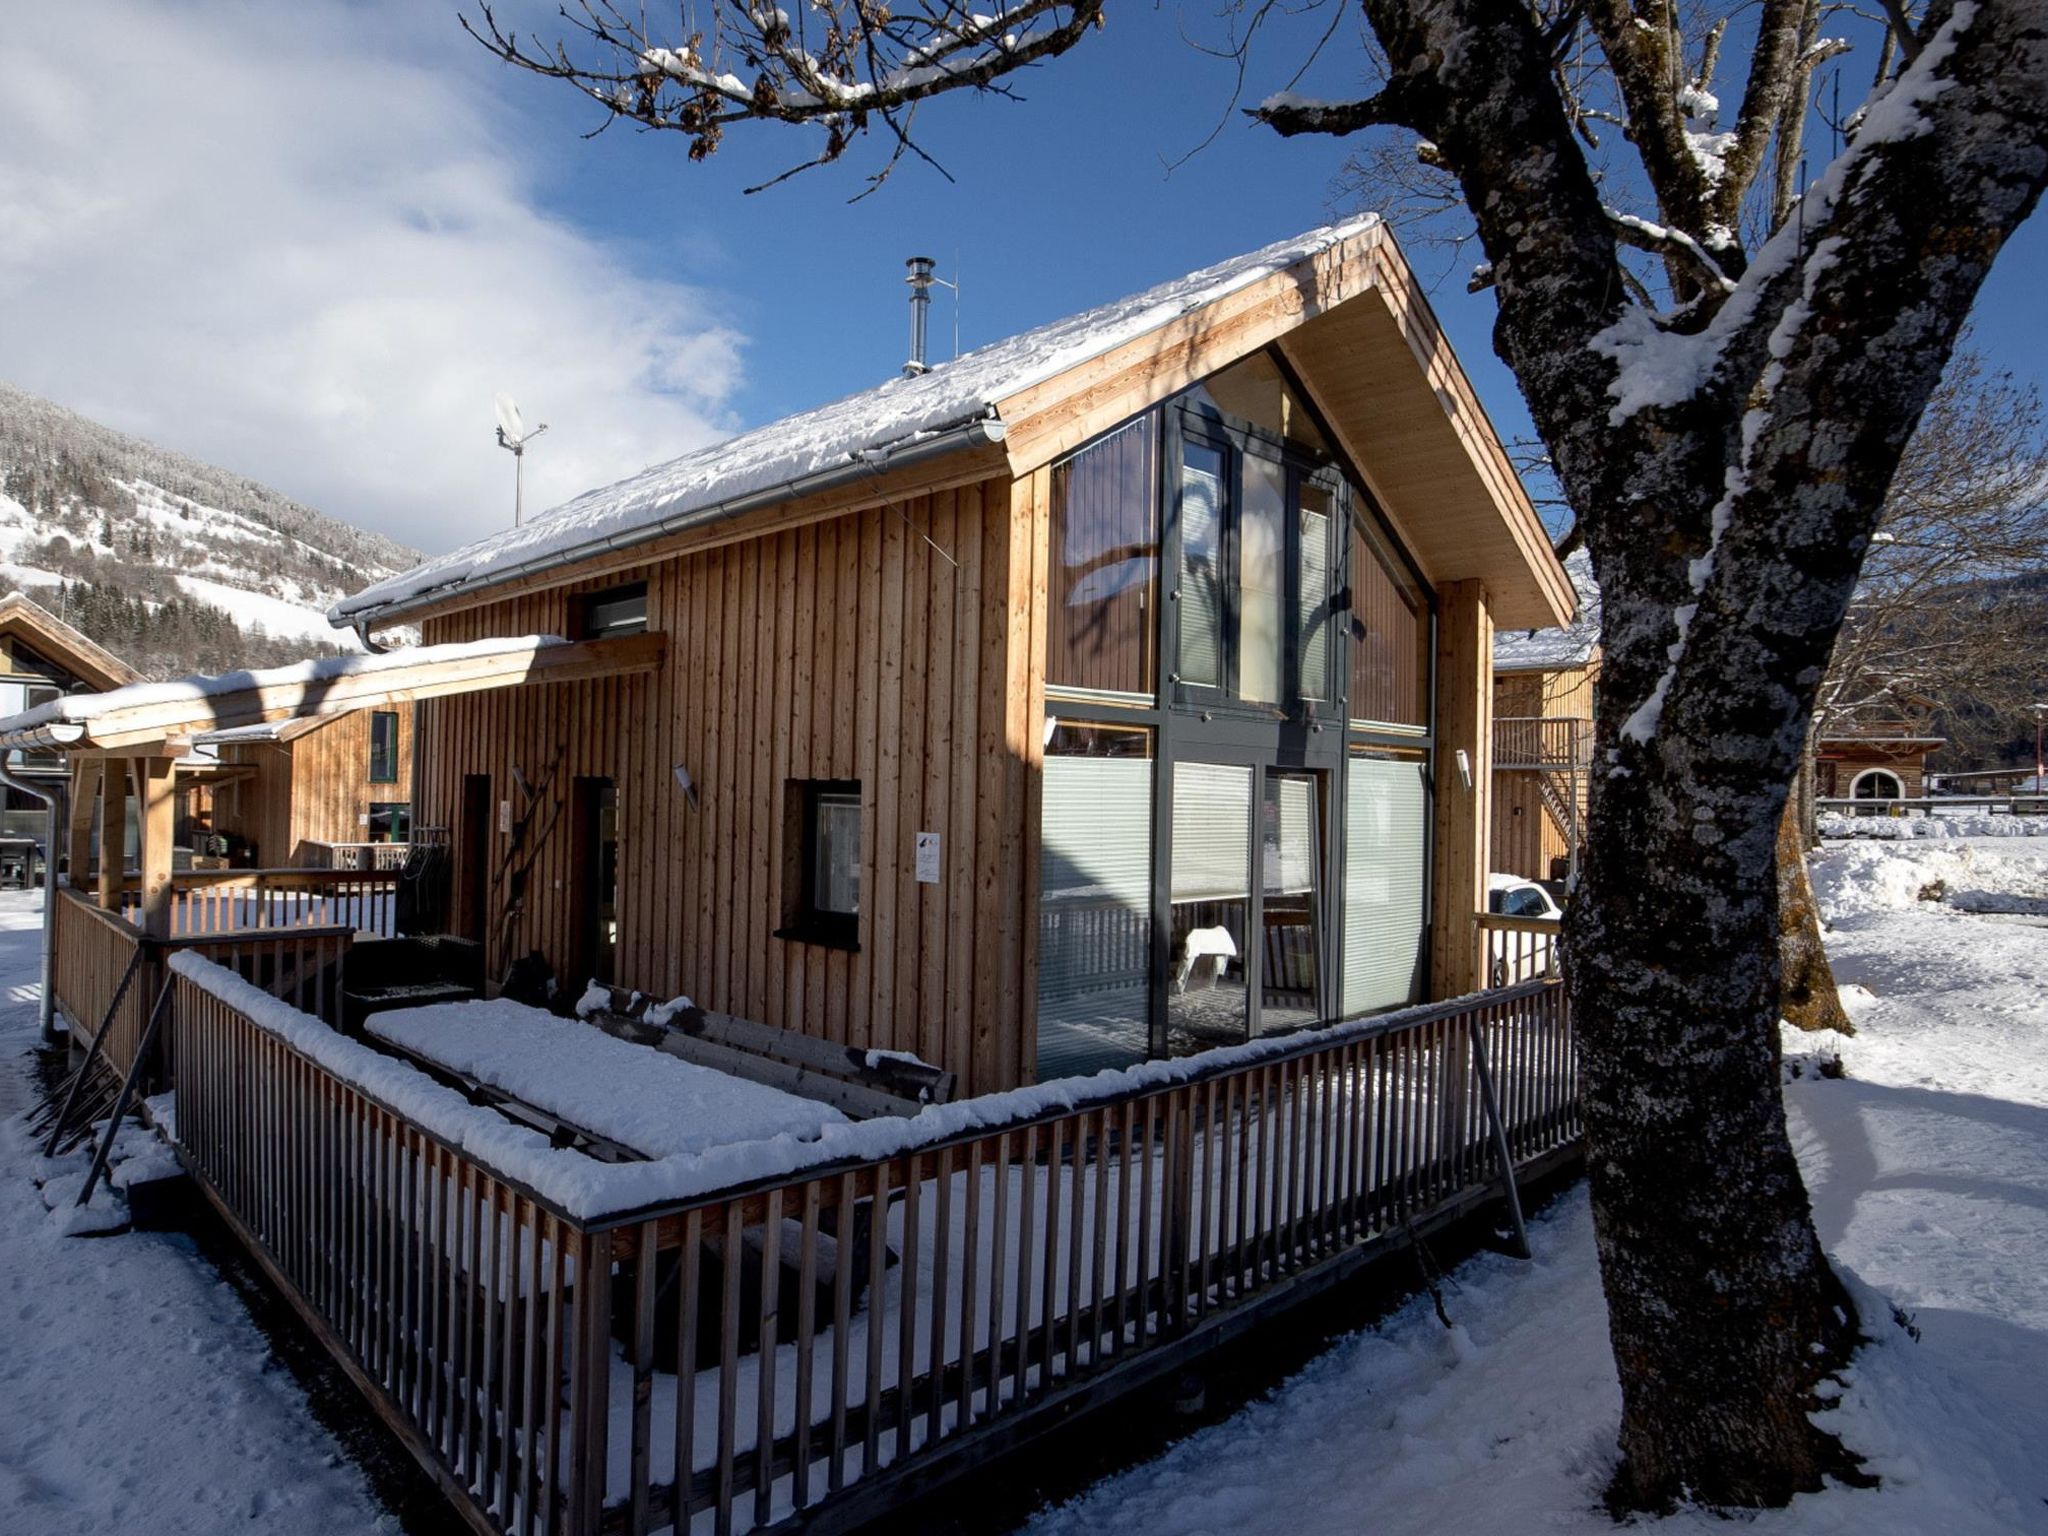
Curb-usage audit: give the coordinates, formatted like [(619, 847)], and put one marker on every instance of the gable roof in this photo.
[(51, 636), (1028, 399), (1551, 650)]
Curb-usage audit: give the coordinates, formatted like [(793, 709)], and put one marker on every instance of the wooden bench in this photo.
[(861, 1083)]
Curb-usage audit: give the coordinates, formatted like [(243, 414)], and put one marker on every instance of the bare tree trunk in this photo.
[(1806, 983)]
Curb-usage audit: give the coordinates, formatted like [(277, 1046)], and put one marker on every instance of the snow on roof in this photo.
[(640, 1097), (269, 731), (1534, 650), (898, 413), (78, 707)]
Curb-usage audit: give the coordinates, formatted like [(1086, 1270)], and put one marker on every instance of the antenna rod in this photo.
[(516, 446)]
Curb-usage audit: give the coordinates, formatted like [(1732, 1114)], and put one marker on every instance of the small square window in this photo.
[(613, 612), (383, 746), (821, 872)]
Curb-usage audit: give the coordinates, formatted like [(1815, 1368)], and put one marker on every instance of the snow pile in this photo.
[(1857, 879), (864, 427), (657, 1104), (1938, 824)]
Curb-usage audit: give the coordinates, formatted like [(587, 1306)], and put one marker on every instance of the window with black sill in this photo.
[(383, 746), (821, 871)]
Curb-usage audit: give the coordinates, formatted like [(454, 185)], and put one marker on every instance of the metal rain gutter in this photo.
[(980, 432), (50, 734), (53, 806)]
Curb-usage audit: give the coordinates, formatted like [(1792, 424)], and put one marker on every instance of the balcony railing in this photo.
[(1542, 741), (805, 1348), (235, 900)]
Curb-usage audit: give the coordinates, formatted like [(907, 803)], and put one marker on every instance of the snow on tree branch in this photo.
[(837, 66)]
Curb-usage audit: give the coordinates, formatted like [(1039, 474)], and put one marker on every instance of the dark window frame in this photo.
[(1196, 421), (804, 920), (588, 604), (389, 754)]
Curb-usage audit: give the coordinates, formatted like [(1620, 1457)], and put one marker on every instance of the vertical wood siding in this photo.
[(842, 649)]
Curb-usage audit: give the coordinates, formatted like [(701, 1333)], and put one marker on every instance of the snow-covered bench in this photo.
[(863, 1083)]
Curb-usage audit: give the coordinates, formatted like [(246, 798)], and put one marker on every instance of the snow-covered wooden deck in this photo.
[(805, 1322)]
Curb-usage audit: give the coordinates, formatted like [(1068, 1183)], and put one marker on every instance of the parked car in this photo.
[(1521, 954)]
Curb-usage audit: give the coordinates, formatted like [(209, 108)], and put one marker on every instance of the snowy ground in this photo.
[(1928, 1162), (135, 1392), (1929, 1170)]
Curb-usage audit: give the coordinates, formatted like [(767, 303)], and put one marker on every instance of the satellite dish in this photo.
[(508, 417)]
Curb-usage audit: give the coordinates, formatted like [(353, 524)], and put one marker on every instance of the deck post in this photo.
[(113, 832), (85, 788), (1464, 785), (156, 787)]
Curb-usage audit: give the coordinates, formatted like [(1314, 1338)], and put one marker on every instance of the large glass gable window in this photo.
[(1256, 503), (1100, 622)]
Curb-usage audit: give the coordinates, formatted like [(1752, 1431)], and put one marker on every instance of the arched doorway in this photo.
[(1876, 784)]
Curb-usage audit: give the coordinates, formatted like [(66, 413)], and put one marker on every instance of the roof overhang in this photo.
[(1359, 334), (63, 644), (166, 719)]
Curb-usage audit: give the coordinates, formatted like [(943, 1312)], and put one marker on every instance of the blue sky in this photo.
[(318, 241)]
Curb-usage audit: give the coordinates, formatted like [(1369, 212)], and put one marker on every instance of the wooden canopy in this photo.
[(164, 720)]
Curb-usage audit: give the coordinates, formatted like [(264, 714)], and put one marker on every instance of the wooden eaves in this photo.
[(167, 727)]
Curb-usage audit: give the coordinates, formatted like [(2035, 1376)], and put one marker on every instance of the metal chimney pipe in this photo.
[(920, 281)]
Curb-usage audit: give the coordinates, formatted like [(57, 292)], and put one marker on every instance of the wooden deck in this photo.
[(752, 1356)]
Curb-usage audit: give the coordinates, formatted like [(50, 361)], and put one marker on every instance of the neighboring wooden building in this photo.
[(43, 658), (1874, 760), (983, 694), (1543, 691), (289, 794)]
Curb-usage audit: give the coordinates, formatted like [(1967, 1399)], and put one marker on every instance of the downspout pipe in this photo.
[(53, 807)]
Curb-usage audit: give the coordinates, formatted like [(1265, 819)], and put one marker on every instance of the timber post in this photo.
[(113, 832), (156, 819), (1463, 810), (85, 788)]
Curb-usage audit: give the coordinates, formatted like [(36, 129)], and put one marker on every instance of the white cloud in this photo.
[(297, 241)]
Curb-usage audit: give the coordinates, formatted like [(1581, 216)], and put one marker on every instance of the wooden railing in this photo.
[(2018, 803), (1513, 950), (235, 900), (804, 1349), (101, 958), (95, 954), (357, 856), (1542, 741)]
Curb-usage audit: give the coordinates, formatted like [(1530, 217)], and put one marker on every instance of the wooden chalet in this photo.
[(1122, 690), (1543, 680), (1116, 690), (1874, 759)]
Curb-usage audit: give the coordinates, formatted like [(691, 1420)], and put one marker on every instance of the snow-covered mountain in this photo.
[(173, 564)]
